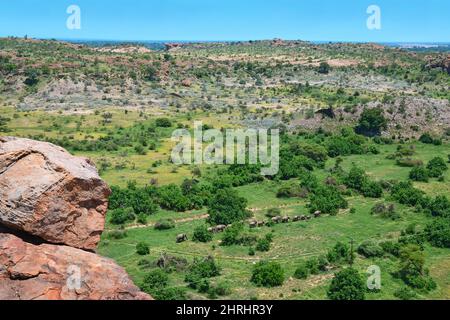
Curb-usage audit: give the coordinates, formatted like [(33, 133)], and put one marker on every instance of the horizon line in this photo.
[(221, 41)]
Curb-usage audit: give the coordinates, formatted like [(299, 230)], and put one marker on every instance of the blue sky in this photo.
[(324, 20)]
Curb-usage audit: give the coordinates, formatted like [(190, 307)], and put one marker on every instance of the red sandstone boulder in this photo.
[(53, 272), (51, 194)]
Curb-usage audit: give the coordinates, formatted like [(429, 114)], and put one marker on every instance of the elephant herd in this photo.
[(286, 219), (256, 224)]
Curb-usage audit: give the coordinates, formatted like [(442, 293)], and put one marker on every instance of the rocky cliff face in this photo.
[(53, 206), (49, 193)]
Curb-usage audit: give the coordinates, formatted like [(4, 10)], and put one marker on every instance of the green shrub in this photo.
[(263, 245), (201, 234), (409, 163), (347, 285), (302, 272), (154, 281), (438, 232), (227, 207), (233, 235), (165, 224), (405, 293), (328, 200), (163, 123), (370, 249), (439, 206), (436, 167), (372, 189), (340, 253), (142, 218), (372, 122), (117, 234), (168, 294), (419, 173), (405, 193), (201, 269), (122, 216), (142, 249), (267, 274), (391, 247), (221, 289)]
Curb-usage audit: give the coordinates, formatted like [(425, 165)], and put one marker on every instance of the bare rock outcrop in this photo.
[(54, 272), (51, 194), (52, 214)]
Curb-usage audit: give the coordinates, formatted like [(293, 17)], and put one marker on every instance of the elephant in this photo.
[(182, 238)]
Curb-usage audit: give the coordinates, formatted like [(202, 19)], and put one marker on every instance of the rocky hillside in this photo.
[(52, 213)]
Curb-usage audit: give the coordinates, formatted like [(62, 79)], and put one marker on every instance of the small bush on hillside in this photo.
[(142, 249), (154, 281), (165, 224), (267, 274), (370, 249), (420, 174), (438, 232), (227, 207), (201, 234), (347, 285), (302, 272), (163, 123), (200, 270), (436, 167), (122, 216)]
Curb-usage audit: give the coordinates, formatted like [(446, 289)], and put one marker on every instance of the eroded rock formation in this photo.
[(49, 193), (55, 272), (52, 209)]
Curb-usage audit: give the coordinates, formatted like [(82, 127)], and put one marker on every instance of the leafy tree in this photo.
[(347, 285), (372, 122), (267, 274), (227, 207), (201, 234)]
